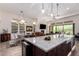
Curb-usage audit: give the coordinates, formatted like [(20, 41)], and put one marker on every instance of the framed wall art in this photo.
[(29, 28)]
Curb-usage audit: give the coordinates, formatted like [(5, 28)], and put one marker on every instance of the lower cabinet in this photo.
[(27, 49), (38, 52), (5, 37), (61, 50), (52, 52)]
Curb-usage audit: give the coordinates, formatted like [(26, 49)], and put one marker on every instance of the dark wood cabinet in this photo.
[(61, 50), (52, 52), (5, 37), (38, 52), (69, 47)]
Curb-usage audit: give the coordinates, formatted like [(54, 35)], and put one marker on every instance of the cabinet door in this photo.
[(61, 50), (5, 37), (38, 52), (69, 47), (52, 52)]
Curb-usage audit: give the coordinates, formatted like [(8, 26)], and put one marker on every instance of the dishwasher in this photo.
[(25, 49)]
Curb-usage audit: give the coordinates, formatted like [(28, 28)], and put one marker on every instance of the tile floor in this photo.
[(16, 50)]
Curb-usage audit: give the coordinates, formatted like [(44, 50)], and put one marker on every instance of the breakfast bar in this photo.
[(56, 46)]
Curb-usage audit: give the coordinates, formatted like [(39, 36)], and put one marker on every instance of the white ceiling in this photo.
[(33, 10)]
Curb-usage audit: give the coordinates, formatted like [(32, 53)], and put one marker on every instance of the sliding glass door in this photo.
[(57, 28), (66, 28)]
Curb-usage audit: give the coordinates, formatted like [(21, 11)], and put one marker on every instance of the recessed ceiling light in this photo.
[(67, 8)]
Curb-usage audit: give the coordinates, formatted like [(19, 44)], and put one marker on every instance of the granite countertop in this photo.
[(48, 45)]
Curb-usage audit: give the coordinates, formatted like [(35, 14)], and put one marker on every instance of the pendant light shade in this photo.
[(43, 11), (57, 9), (51, 10)]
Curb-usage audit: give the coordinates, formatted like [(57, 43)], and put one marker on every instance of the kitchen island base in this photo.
[(63, 49)]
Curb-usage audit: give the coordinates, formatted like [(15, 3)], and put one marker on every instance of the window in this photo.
[(14, 27), (50, 29), (57, 28), (21, 28), (60, 28), (68, 29), (54, 29)]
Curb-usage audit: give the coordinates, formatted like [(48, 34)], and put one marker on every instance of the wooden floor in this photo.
[(5, 50), (76, 51)]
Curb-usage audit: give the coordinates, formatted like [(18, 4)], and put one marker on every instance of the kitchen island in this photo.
[(56, 46)]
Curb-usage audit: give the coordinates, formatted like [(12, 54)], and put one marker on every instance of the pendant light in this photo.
[(57, 9), (22, 20), (57, 13), (43, 8), (51, 10)]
